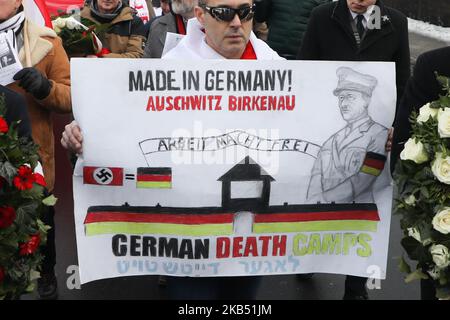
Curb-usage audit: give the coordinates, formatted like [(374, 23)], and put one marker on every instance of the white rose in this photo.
[(441, 221), (60, 23), (441, 168), (426, 112), (414, 151), (56, 29), (440, 255), (410, 200), (413, 232), (434, 273), (444, 122), (71, 24)]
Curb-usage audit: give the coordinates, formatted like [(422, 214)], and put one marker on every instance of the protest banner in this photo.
[(226, 168)]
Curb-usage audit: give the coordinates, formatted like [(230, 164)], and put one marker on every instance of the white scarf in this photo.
[(12, 27)]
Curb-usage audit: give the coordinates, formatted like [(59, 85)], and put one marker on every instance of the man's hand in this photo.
[(72, 139), (34, 82), (389, 140)]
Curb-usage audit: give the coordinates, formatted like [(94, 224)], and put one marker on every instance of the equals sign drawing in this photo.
[(129, 176)]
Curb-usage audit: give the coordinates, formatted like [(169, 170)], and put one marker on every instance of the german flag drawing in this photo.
[(339, 217), (154, 178), (154, 220), (215, 221), (373, 163)]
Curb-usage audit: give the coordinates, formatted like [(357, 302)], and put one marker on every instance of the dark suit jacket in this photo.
[(157, 35), (16, 109), (329, 36), (422, 88)]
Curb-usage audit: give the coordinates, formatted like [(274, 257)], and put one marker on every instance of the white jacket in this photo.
[(194, 47)]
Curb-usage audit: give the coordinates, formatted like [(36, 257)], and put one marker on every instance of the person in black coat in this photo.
[(421, 88), (16, 109), (358, 30), (332, 35)]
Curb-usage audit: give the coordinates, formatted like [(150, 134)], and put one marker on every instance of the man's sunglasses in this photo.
[(227, 14)]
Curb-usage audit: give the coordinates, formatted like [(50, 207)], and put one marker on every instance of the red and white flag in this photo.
[(105, 176), (36, 11), (142, 9)]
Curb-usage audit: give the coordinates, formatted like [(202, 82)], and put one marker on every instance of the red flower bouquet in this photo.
[(21, 203)]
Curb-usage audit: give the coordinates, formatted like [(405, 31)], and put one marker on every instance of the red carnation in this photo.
[(103, 52), (2, 274), (3, 125), (24, 179), (7, 216), (31, 246), (39, 179)]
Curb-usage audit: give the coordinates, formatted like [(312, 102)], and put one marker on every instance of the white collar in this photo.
[(366, 14)]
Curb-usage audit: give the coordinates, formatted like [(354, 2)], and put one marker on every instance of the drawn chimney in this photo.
[(246, 186)]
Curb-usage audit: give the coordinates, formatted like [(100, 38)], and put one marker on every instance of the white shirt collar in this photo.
[(366, 14)]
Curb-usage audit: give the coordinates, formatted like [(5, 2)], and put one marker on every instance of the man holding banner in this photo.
[(227, 34), (125, 200)]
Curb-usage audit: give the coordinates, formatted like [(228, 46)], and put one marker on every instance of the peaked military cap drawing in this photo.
[(350, 79)]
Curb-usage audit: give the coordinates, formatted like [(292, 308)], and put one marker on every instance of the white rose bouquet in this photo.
[(80, 36), (423, 200)]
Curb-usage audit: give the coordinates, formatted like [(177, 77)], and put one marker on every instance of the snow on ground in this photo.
[(429, 30)]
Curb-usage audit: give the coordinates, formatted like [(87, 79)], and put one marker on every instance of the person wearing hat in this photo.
[(338, 174)]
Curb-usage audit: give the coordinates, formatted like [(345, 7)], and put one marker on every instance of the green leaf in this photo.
[(413, 248), (34, 193), (34, 275), (50, 200), (444, 101), (30, 287), (424, 192), (416, 275), (28, 209), (443, 293), (403, 266), (7, 170)]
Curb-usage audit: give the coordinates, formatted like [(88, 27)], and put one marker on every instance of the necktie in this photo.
[(359, 25)]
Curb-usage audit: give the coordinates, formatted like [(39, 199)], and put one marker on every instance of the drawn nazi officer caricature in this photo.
[(351, 159)]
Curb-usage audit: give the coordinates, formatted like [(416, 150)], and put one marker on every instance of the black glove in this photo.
[(34, 82)]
